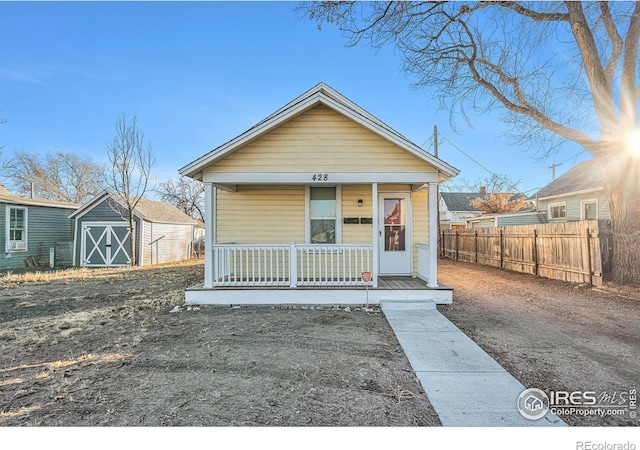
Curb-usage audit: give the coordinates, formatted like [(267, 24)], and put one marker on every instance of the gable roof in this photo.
[(460, 201), (319, 94), (587, 175), (146, 209), (7, 197)]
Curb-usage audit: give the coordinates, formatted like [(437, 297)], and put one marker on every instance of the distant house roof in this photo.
[(147, 209), (585, 176), (460, 201), (7, 197)]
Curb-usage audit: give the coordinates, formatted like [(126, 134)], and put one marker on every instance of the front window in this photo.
[(322, 215), (16, 229), (557, 211)]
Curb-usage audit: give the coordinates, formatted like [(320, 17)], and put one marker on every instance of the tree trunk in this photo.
[(622, 188), (132, 235)]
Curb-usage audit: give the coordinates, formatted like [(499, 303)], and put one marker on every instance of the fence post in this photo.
[(535, 251), (456, 245), (476, 245), (589, 257), (501, 250), (442, 245)]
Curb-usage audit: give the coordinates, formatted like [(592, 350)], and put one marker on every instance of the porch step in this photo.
[(406, 304)]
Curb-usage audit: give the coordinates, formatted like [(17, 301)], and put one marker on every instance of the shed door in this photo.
[(106, 244), (395, 234)]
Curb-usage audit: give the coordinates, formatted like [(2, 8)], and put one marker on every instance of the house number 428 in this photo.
[(320, 177)]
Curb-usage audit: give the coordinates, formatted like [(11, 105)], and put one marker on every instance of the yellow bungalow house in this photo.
[(299, 206)]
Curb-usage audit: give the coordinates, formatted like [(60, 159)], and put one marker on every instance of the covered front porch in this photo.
[(315, 273)]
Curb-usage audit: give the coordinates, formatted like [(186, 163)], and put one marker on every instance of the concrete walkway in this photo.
[(464, 384)]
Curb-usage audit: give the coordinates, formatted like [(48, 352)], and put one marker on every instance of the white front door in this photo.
[(395, 233)]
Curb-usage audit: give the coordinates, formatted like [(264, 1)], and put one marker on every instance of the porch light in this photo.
[(360, 202)]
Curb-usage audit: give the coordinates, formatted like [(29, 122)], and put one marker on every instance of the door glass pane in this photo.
[(394, 224)]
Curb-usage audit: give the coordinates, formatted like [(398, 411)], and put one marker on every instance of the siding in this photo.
[(356, 233), (260, 215), (573, 208), (419, 222), (174, 246), (528, 219), (104, 212), (320, 140), (146, 240), (45, 227)]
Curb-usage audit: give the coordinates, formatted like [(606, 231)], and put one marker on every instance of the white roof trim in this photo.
[(321, 93), (28, 202)]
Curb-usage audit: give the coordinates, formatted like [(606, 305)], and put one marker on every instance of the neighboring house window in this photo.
[(590, 210), (557, 211), (323, 215), (16, 236)]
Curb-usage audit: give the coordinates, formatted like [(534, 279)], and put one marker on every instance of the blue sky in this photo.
[(197, 74)]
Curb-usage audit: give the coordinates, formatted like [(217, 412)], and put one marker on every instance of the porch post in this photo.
[(433, 235), (375, 241), (209, 232)]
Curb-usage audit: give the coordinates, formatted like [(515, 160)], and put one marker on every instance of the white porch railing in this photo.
[(423, 261), (290, 265)]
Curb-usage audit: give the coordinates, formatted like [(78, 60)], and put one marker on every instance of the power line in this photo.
[(465, 154)]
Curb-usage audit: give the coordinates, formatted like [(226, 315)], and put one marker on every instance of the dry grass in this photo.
[(74, 274)]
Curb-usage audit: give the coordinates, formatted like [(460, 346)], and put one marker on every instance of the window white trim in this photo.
[(307, 212), (586, 202), (14, 245), (556, 204)]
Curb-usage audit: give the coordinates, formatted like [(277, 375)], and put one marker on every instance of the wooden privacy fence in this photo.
[(561, 251)]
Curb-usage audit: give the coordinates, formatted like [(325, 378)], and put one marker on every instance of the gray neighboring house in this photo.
[(35, 231), (528, 216), (578, 194), (102, 237), (455, 209)]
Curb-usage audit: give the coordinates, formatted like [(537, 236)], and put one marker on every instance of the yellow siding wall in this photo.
[(260, 215), (320, 140), (420, 223), (352, 233)]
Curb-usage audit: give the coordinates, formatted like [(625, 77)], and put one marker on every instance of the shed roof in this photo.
[(584, 176), (147, 209), (319, 94)]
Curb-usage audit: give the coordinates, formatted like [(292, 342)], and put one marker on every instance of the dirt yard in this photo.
[(551, 335), (101, 348)]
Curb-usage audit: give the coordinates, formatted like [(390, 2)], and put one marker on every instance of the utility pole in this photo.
[(553, 170), (435, 141)]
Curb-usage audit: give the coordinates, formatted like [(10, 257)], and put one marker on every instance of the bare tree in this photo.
[(558, 71), (131, 161), (59, 176), (186, 194)]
